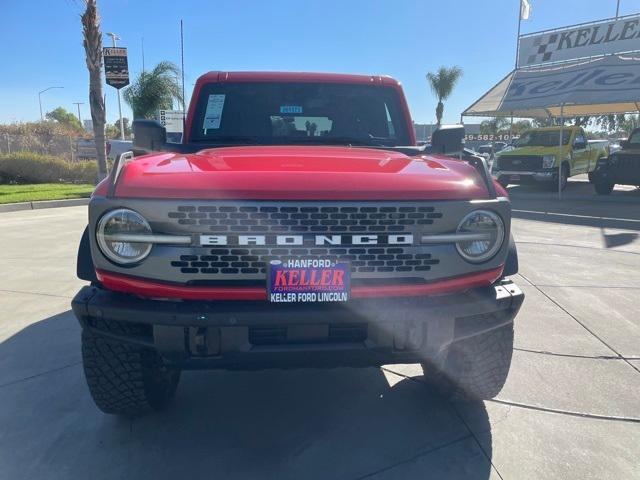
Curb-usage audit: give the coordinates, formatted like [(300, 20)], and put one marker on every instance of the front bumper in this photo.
[(256, 334), (526, 177)]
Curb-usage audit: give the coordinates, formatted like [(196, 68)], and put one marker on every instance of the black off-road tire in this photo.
[(564, 179), (125, 379), (603, 186), (475, 368)]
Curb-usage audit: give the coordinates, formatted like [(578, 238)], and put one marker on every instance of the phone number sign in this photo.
[(488, 137)]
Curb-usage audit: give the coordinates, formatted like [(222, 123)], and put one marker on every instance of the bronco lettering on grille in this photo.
[(207, 240)]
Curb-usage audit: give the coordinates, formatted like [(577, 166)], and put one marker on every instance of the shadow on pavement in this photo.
[(339, 423), (575, 189), (612, 240), (592, 211)]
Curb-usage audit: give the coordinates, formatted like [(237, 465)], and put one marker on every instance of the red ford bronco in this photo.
[(296, 225)]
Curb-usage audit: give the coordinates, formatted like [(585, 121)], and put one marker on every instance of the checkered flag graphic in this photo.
[(544, 44)]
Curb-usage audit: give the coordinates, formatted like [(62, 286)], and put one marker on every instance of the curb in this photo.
[(577, 197), (16, 207)]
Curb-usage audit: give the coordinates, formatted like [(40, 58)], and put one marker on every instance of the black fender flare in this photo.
[(85, 270), (511, 263)]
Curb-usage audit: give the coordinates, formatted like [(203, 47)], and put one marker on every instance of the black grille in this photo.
[(253, 260), (520, 163), (281, 335), (304, 219), (626, 168)]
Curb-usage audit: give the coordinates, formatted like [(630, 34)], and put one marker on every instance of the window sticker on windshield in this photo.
[(213, 114), (290, 109)]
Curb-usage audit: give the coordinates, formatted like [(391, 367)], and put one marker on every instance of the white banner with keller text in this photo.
[(579, 41)]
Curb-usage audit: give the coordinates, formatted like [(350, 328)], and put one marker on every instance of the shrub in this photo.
[(29, 167)]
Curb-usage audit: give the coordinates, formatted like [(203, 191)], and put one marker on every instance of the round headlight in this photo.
[(486, 235), (116, 233)]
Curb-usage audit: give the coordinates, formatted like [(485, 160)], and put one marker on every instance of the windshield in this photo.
[(299, 113), (543, 138)]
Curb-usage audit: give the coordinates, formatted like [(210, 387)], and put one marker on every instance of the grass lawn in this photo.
[(43, 191)]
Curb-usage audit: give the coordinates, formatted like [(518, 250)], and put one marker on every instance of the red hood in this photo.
[(299, 173)]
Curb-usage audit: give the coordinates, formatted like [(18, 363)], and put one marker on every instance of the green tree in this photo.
[(65, 118), (154, 90), (93, 50), (520, 126), (113, 130), (495, 126), (442, 84)]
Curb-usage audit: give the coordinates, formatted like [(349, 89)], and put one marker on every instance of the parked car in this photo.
[(537, 156), (621, 167), (85, 149), (117, 147), (486, 151), (616, 144), (603, 144), (266, 243), (499, 146)]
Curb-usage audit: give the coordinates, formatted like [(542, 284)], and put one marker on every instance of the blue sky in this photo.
[(42, 42)]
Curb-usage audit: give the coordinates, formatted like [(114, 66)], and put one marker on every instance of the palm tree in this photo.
[(154, 90), (442, 83), (93, 50)]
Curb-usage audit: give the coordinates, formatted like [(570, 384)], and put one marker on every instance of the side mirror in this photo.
[(448, 139), (148, 135)]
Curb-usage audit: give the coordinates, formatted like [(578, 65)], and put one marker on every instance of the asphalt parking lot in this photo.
[(569, 410)]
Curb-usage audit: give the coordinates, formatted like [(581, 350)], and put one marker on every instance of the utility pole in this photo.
[(40, 100), (184, 108), (618, 9), (115, 37), (78, 105)]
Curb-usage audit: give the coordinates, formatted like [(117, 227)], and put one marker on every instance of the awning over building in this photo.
[(605, 85)]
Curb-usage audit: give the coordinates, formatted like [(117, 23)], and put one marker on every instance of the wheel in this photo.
[(603, 186), (123, 378), (564, 178), (475, 368)]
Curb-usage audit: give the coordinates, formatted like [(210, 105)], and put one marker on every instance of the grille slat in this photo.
[(236, 263), (627, 168), (363, 259), (520, 162), (278, 219)]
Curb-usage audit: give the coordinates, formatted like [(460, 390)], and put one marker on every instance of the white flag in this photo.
[(525, 9)]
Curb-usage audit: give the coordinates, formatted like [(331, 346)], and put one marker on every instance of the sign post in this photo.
[(560, 159), (116, 71)]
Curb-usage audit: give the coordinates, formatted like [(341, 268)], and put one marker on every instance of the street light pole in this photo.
[(115, 37), (78, 105), (40, 100)]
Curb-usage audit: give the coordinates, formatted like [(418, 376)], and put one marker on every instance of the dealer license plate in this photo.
[(308, 280)]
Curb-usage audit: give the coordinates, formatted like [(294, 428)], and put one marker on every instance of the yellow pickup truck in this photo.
[(535, 156)]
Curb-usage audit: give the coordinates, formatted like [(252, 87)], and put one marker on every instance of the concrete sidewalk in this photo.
[(569, 409)]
